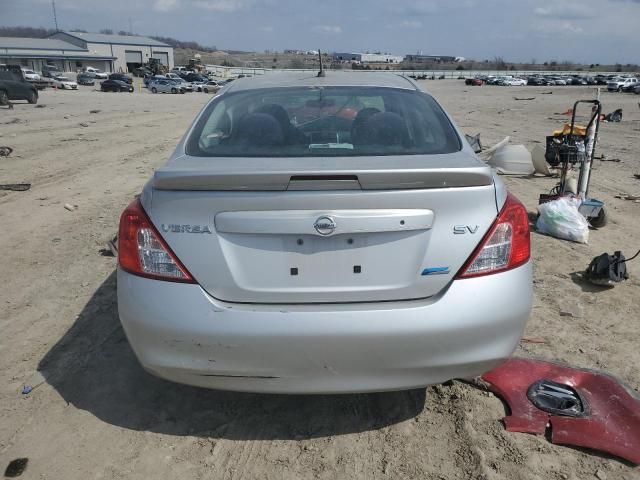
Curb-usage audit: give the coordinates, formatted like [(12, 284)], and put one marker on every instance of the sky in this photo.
[(588, 31)]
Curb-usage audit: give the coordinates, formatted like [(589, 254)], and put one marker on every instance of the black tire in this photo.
[(173, 90), (599, 221), (4, 98), (131, 89), (181, 91), (33, 98), (154, 90), (115, 89), (619, 89), (205, 90)]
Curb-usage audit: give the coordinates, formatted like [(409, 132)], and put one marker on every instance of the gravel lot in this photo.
[(96, 414)]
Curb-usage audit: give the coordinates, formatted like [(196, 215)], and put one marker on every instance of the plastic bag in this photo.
[(561, 219)]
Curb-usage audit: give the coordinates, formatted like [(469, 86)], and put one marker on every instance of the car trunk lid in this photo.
[(323, 235)]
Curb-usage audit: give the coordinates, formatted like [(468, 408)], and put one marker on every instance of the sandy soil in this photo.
[(96, 414)]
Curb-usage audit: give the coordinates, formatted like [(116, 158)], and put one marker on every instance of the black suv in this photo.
[(13, 86)]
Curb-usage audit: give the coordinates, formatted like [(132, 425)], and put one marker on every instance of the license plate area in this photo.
[(312, 264)]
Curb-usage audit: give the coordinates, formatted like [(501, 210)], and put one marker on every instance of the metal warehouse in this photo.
[(73, 51), (34, 53), (128, 51)]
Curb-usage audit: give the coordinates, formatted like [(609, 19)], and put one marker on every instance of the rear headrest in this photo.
[(276, 111), (357, 133), (259, 130), (384, 128)]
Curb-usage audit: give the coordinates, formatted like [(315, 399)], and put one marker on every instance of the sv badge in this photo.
[(462, 229)]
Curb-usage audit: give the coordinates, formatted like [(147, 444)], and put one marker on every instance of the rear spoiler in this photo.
[(272, 174)]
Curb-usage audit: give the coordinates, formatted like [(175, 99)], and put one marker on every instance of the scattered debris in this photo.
[(539, 161), (525, 98), (560, 218), (625, 196), (607, 270), (601, 475), (79, 139), (603, 158), (16, 467), (113, 245), (15, 187), (83, 124), (13, 121), (575, 312), (33, 382), (583, 408), (547, 93), (40, 105), (474, 142), (615, 116), (512, 160), (489, 151), (532, 340), (69, 207), (637, 175), (5, 151), (95, 111)]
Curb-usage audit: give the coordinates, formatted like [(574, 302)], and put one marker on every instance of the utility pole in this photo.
[(55, 17)]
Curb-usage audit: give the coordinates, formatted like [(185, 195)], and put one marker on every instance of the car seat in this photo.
[(257, 130), (292, 136), (383, 128)]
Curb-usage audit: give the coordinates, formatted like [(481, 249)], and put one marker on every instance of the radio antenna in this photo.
[(55, 17), (321, 72)]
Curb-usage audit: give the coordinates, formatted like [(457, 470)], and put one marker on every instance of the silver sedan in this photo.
[(322, 235), (164, 86)]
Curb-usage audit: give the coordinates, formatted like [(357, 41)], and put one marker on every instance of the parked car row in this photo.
[(173, 83), (613, 82)]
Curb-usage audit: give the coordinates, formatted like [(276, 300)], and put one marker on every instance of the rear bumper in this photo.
[(180, 333)]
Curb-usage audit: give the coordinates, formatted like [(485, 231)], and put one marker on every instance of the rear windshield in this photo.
[(322, 121)]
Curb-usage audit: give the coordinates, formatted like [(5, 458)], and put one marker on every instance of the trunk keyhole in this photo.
[(401, 222), (350, 241), (294, 271), (300, 241), (357, 269)]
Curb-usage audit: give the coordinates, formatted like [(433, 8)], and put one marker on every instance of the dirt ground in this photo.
[(96, 414)]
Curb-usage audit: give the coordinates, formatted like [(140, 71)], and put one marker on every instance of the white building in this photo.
[(350, 57), (128, 51), (380, 58)]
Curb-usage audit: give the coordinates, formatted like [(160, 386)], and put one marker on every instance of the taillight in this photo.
[(142, 250), (505, 246)]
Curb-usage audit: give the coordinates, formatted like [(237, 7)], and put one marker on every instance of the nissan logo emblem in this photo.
[(325, 225)]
